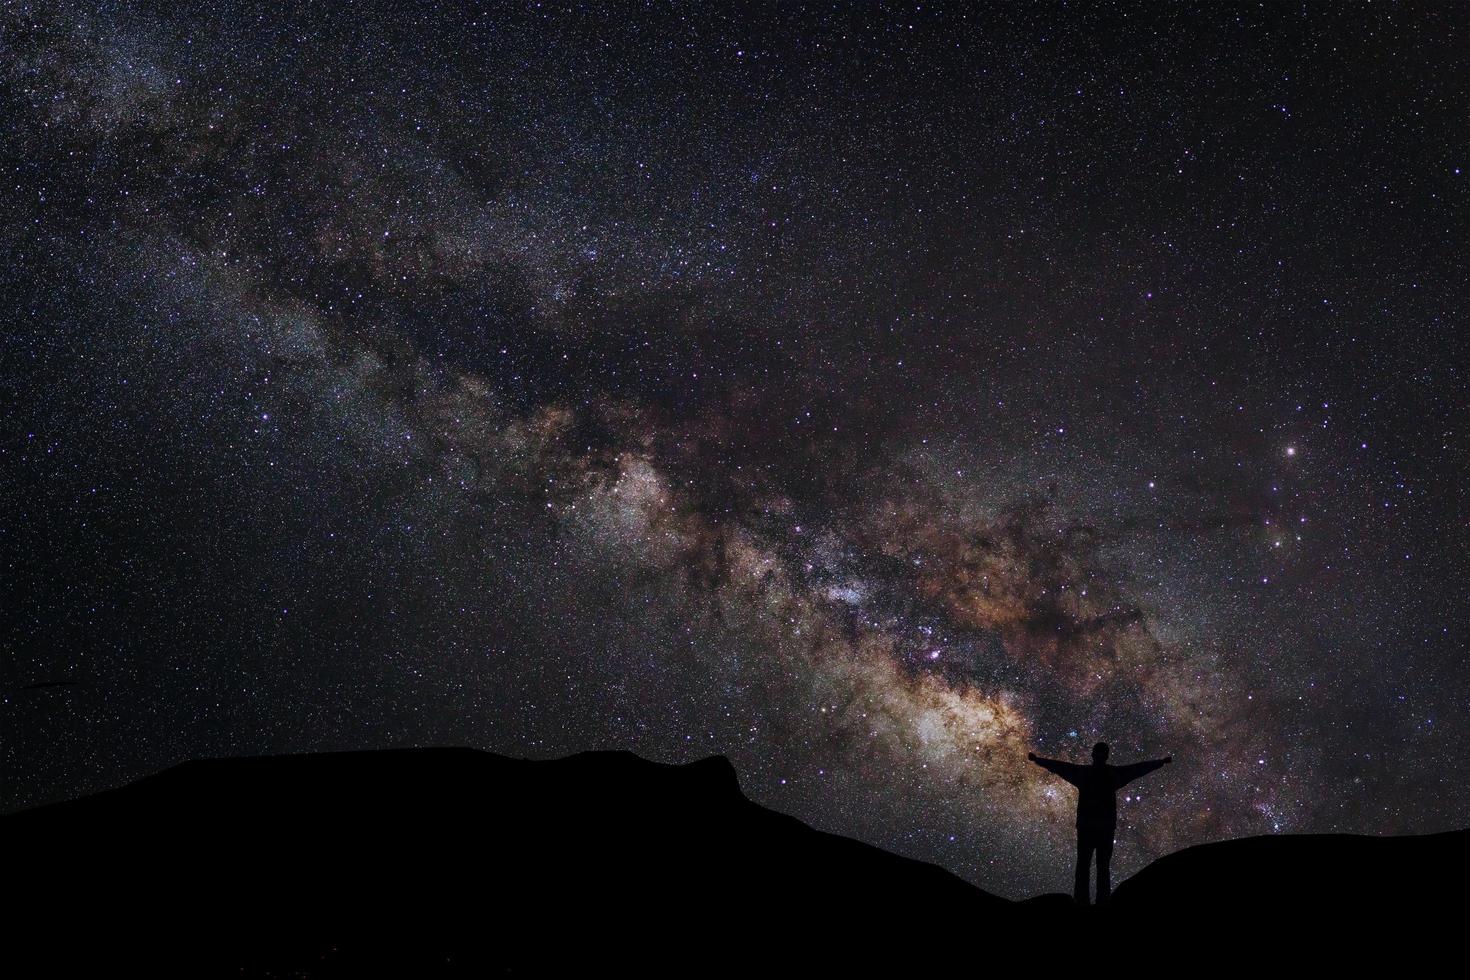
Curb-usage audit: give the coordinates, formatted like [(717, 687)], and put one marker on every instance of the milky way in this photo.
[(871, 396)]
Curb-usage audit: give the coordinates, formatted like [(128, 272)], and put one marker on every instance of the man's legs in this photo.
[(1084, 861), (1104, 855)]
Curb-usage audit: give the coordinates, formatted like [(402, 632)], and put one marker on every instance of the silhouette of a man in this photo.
[(1097, 810)]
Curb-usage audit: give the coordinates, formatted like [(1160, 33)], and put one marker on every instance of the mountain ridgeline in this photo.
[(453, 861)]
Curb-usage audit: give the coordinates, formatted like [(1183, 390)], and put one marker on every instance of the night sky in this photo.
[(871, 394)]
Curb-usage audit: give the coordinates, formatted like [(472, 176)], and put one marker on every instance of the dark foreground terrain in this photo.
[(435, 861)]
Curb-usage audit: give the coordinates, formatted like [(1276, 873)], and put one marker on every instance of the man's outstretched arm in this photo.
[(1069, 771), (1123, 775)]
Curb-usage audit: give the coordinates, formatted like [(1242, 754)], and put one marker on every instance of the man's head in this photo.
[(1100, 753)]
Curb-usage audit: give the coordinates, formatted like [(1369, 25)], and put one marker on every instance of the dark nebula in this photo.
[(868, 394)]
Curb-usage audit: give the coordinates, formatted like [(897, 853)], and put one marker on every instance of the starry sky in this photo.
[(868, 393)]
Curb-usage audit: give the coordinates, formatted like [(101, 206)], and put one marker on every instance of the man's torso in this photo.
[(1097, 808)]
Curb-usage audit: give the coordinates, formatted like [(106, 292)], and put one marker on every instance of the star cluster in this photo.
[(870, 394)]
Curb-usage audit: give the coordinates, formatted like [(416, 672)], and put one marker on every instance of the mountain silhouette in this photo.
[(453, 861), (1353, 880)]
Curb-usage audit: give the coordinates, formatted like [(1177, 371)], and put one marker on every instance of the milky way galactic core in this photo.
[(871, 395)]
